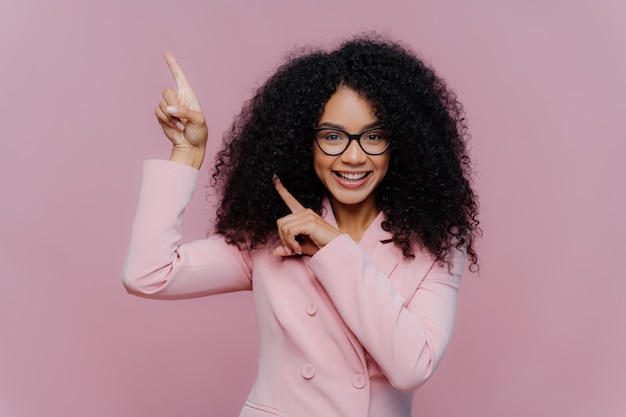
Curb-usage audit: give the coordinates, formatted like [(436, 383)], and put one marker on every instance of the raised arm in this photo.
[(157, 264)]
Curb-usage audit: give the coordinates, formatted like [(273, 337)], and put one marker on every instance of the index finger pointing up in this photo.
[(177, 71), (291, 202)]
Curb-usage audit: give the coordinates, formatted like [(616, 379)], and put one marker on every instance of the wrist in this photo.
[(192, 156)]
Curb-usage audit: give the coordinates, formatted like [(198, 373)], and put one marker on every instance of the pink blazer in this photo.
[(351, 331)]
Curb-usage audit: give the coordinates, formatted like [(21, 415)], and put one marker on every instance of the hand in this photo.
[(303, 232), (181, 117)]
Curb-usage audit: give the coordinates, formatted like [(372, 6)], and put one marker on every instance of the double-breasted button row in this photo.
[(311, 308), (308, 372)]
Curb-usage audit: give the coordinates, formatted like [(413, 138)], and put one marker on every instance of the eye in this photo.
[(330, 135), (374, 136)]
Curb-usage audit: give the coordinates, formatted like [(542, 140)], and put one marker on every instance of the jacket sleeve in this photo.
[(406, 337), (157, 265)]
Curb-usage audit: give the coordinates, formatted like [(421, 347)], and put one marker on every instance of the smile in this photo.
[(351, 176)]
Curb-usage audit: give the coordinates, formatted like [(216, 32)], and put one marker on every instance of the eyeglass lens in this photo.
[(335, 141)]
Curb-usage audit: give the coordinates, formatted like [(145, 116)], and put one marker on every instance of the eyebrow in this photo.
[(377, 123)]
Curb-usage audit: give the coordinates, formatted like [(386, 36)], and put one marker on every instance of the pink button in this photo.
[(308, 371), (358, 381), (311, 308)]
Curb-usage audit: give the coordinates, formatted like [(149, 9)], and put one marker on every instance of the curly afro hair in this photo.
[(426, 195)]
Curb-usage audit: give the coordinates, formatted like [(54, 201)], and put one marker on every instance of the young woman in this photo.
[(346, 207)]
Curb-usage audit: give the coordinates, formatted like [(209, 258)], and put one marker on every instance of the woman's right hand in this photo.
[(182, 120)]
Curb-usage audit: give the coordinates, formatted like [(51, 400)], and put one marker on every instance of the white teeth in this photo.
[(352, 177)]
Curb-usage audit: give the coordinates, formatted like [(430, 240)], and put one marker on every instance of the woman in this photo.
[(346, 207)]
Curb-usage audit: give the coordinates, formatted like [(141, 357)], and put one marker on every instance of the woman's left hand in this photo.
[(303, 232)]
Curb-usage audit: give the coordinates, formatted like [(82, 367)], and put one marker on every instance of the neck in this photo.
[(354, 219)]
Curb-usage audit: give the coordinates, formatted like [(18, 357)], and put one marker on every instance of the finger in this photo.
[(283, 251), (171, 118), (289, 242), (305, 232), (162, 117), (170, 97), (185, 114), (164, 120), (179, 111), (291, 232), (177, 71), (291, 202)]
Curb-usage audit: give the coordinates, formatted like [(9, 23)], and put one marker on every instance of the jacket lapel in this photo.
[(378, 245), (375, 242)]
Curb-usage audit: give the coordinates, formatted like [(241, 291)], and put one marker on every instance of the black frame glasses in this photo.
[(350, 137)]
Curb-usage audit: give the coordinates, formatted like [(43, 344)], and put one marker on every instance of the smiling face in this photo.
[(352, 177)]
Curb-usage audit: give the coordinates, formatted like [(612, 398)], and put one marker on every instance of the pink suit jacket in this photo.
[(350, 331)]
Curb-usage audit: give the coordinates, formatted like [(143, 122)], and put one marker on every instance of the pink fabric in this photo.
[(351, 331)]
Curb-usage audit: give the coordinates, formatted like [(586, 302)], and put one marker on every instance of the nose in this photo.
[(354, 154)]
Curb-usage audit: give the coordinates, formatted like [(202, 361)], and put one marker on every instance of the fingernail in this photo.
[(180, 126), (171, 109), (288, 250), (275, 179)]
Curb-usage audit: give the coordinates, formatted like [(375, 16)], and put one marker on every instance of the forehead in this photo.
[(348, 109)]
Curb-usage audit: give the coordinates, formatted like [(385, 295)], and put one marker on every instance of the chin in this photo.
[(352, 200)]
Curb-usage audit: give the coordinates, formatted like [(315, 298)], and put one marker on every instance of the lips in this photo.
[(351, 176), (352, 180)]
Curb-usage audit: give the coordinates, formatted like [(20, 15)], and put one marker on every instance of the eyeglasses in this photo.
[(334, 142)]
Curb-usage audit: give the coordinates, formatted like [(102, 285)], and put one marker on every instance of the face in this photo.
[(352, 177)]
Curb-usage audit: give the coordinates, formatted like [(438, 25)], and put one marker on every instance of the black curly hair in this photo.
[(426, 195)]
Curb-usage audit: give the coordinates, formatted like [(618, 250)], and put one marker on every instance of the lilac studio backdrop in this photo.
[(540, 331)]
